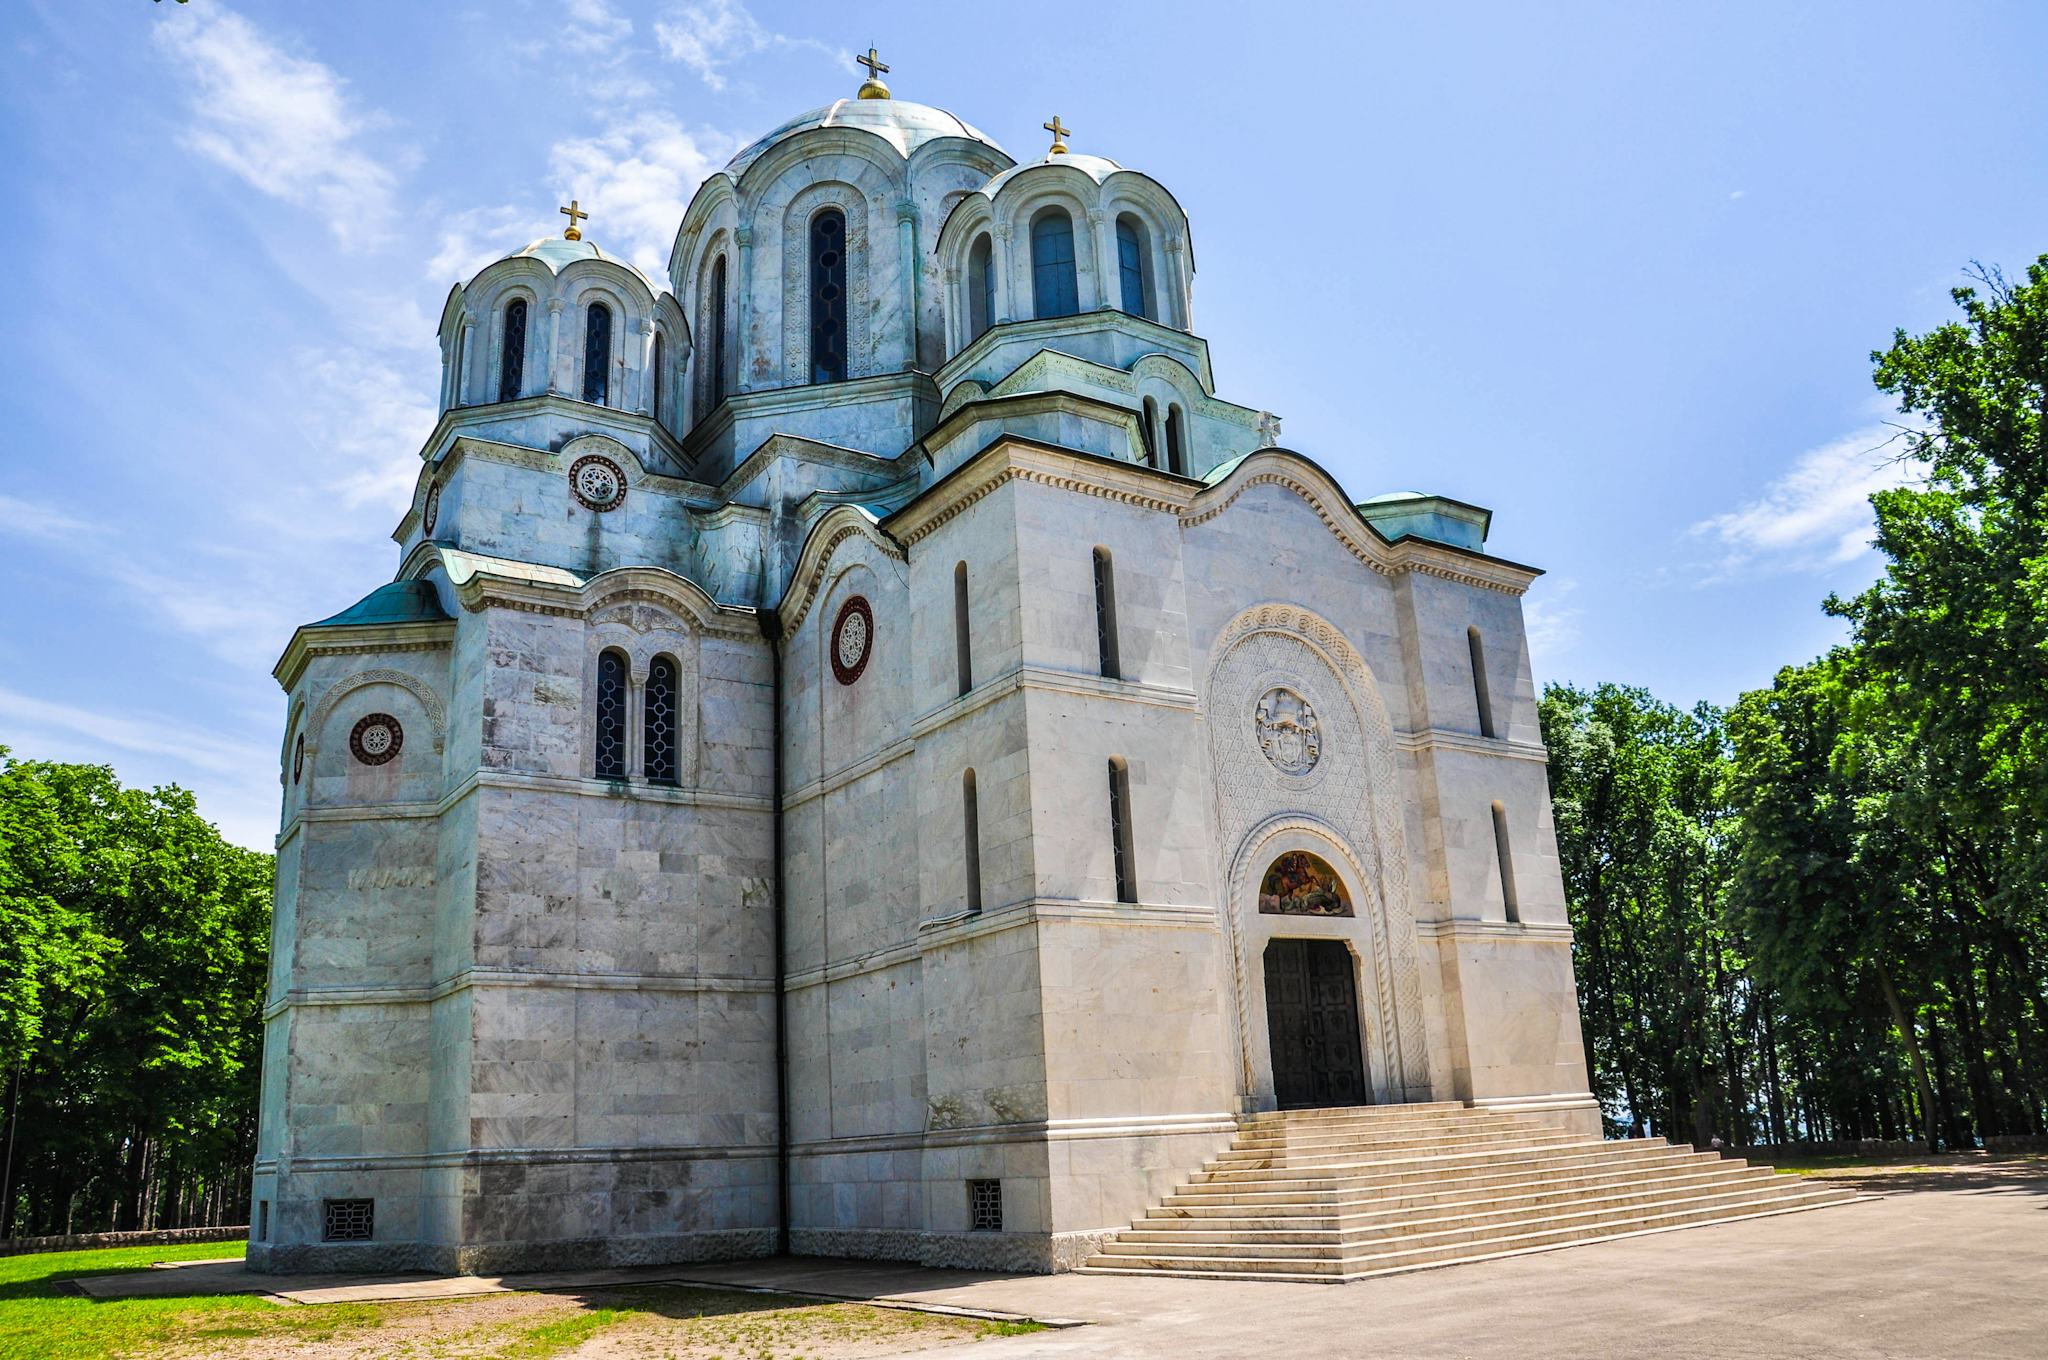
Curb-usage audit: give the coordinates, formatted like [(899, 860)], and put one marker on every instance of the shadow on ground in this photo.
[(2010, 1173)]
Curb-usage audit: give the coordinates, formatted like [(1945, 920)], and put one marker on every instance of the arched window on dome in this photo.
[(981, 286), (660, 364), (512, 351), (828, 297), (1133, 267), (714, 388), (597, 353), (1054, 289)]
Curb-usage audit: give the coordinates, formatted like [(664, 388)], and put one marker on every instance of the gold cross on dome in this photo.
[(574, 233), (1060, 133), (872, 87)]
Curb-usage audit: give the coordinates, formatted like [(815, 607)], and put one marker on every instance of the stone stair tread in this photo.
[(1454, 1191)]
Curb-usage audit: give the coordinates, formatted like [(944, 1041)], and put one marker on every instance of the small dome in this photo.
[(558, 253), (902, 124), (1097, 168), (410, 601)]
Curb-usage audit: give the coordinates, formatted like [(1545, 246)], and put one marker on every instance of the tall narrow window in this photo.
[(714, 388), (1120, 830), (1148, 431), (1480, 694), (659, 724), (1105, 615), (970, 815), (1508, 899), (981, 287), (659, 364), (828, 297), (1176, 442), (1130, 266), (963, 650), (611, 715), (512, 352), (1054, 289), (597, 353), (461, 357)]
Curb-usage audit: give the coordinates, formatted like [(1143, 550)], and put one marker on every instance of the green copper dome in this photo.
[(398, 602)]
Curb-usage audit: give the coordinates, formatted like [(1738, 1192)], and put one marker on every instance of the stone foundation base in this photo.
[(503, 1258), (1027, 1253)]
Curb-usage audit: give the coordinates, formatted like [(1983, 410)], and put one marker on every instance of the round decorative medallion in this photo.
[(298, 757), (376, 739), (853, 637), (432, 513), (598, 482), (1288, 733)]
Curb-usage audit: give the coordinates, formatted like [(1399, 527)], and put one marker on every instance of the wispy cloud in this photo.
[(283, 123), (637, 175), (150, 735), (27, 519), (368, 419), (1551, 624), (469, 240), (710, 35), (1817, 514)]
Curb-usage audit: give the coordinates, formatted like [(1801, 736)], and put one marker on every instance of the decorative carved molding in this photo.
[(429, 702), (803, 592), (853, 639)]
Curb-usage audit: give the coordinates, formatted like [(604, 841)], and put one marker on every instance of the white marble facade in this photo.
[(706, 843)]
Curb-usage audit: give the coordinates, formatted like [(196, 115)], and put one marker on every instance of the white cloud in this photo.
[(708, 35), (636, 176), (367, 421), (27, 519), (282, 123), (594, 27), (148, 735), (1550, 624), (472, 239), (1817, 514)]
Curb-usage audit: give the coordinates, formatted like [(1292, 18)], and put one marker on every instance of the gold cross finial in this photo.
[(574, 233), (872, 87), (1059, 133)]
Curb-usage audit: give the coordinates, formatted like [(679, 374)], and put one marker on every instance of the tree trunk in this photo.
[(1908, 1037)]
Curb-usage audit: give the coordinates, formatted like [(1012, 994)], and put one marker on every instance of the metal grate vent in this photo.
[(985, 1205), (348, 1220), (262, 1220)]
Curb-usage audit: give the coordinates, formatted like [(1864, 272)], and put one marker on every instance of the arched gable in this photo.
[(807, 581)]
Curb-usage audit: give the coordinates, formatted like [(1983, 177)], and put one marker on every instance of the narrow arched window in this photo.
[(981, 286), (1510, 903), (659, 364), (459, 358), (1054, 289), (1130, 266), (963, 651), (1480, 694), (828, 297), (1176, 442), (659, 752), (714, 389), (512, 351), (1105, 615), (597, 353), (1120, 830), (970, 850), (1148, 431), (611, 715)]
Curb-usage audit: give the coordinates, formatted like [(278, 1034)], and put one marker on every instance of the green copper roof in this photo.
[(399, 602)]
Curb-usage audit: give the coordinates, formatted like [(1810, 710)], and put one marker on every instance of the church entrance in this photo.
[(1312, 1015)]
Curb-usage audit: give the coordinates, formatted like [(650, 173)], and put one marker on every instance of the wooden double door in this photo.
[(1312, 1016)]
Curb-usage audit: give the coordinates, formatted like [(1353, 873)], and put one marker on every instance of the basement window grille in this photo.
[(985, 1205), (262, 1220), (348, 1220)]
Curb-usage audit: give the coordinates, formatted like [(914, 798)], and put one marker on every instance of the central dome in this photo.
[(902, 124)]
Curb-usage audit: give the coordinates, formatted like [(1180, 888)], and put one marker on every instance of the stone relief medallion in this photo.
[(377, 738), (432, 514), (1287, 730), (853, 637), (298, 757), (598, 482)]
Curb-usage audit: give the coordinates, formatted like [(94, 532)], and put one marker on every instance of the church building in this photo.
[(868, 752)]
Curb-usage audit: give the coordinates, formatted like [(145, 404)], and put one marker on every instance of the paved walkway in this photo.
[(1959, 1270)]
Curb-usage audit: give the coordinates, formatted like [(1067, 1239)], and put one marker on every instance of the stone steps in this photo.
[(1335, 1194)]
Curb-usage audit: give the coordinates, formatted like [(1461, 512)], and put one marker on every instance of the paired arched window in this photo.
[(963, 651), (659, 723), (512, 351), (1055, 291), (970, 818), (660, 364), (1480, 694), (611, 714), (1120, 830), (1131, 266), (714, 387), (981, 286), (597, 353), (1105, 616), (1176, 441), (1510, 901), (828, 297)]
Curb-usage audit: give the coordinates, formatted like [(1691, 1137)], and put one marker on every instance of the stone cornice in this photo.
[(1442, 739), (1011, 457), (350, 639), (1052, 328), (484, 589), (833, 528)]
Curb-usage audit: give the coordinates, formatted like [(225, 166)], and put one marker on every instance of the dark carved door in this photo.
[(1312, 1013)]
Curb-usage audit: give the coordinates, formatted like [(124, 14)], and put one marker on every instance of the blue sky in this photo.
[(1613, 271)]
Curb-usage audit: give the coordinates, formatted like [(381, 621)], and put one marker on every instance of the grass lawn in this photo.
[(41, 1319)]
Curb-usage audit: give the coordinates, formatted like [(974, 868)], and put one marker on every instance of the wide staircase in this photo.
[(1328, 1195)]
